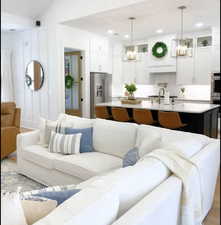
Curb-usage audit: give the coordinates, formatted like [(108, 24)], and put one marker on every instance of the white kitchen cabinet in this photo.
[(203, 65), (129, 71), (141, 70), (216, 58), (185, 70), (100, 56)]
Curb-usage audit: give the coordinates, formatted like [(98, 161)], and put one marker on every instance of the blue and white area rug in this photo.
[(11, 180)]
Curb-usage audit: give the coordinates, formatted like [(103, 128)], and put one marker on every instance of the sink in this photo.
[(156, 96)]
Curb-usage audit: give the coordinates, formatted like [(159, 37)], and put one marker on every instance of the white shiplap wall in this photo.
[(27, 46)]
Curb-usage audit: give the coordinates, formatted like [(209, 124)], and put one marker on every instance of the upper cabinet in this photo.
[(100, 55), (203, 65), (196, 67), (216, 49)]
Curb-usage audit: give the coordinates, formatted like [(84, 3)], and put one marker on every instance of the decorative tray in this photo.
[(127, 101)]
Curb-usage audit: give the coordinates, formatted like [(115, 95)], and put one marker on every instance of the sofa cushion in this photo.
[(40, 155), (147, 140), (77, 122), (114, 138), (171, 139), (89, 206), (186, 147), (131, 183), (87, 165)]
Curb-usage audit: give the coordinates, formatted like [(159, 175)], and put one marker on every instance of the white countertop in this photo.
[(177, 107), (176, 99)]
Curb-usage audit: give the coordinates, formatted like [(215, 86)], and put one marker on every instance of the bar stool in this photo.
[(102, 112), (143, 116), (170, 120), (120, 114)]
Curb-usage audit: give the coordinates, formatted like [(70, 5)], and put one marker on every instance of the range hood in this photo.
[(162, 69)]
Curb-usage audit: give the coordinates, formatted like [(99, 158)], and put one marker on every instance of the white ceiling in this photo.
[(152, 15), (25, 8)]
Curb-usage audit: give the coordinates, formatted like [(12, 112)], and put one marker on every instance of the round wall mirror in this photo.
[(34, 75)]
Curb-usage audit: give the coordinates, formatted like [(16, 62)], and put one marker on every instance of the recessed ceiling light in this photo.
[(110, 31), (126, 36), (199, 24), (159, 31)]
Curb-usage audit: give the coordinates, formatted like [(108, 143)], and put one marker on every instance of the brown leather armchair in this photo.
[(10, 127)]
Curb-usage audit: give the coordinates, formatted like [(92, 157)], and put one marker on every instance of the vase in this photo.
[(131, 96)]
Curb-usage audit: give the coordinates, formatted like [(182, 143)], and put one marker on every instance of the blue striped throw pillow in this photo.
[(67, 144)]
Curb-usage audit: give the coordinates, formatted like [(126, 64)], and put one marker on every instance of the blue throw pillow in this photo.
[(59, 196), (131, 157), (86, 144)]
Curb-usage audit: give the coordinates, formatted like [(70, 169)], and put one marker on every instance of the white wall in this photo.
[(47, 46), (26, 46)]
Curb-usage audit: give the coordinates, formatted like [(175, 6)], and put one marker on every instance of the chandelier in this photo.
[(181, 49), (131, 53)]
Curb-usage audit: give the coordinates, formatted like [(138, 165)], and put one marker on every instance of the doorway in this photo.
[(72, 77)]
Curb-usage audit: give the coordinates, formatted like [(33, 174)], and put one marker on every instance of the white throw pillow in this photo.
[(11, 210), (46, 126), (36, 210), (66, 144)]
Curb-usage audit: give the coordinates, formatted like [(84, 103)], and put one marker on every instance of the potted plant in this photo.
[(131, 88)]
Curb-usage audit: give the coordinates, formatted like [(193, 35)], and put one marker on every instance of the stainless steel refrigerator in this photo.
[(100, 89)]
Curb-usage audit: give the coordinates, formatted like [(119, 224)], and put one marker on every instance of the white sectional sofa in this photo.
[(144, 194)]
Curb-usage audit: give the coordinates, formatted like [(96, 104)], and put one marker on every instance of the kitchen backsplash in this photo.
[(198, 92)]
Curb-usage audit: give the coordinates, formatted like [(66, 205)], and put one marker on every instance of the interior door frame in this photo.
[(75, 112)]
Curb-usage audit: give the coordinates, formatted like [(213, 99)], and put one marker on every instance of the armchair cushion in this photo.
[(7, 120), (7, 107)]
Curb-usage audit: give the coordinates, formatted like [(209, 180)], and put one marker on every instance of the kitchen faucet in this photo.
[(160, 90)]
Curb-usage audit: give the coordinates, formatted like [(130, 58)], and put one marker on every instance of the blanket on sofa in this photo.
[(187, 171)]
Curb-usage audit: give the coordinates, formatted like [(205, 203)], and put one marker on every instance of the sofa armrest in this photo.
[(160, 207), (27, 138), (208, 163), (8, 140)]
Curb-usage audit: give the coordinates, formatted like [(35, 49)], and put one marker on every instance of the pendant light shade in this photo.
[(131, 53), (181, 49)]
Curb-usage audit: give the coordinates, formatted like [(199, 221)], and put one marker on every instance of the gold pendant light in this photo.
[(131, 53), (181, 49)]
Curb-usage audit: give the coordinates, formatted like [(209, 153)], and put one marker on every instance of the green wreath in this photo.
[(159, 46), (69, 80)]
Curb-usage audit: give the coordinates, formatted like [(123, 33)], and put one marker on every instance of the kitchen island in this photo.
[(201, 118)]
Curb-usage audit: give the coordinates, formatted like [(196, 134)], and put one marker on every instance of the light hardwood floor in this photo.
[(213, 217)]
